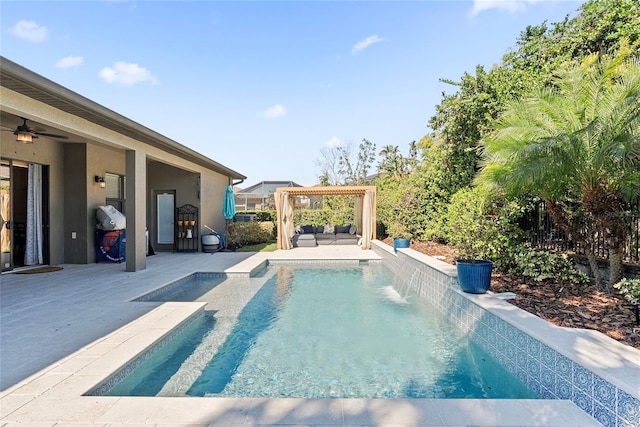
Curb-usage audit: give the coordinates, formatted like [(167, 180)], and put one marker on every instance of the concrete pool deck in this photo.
[(61, 333)]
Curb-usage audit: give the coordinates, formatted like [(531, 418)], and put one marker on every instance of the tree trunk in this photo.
[(615, 268), (606, 210), (595, 269), (579, 230)]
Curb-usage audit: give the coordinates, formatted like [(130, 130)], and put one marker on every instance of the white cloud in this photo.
[(274, 112), (126, 74), (362, 45), (333, 142), (511, 6), (70, 61), (29, 30)]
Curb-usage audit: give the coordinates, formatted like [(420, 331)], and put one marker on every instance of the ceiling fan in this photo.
[(25, 134)]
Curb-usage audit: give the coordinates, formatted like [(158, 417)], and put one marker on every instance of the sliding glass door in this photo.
[(23, 216)]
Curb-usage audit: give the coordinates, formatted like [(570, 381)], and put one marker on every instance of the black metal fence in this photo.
[(544, 234)]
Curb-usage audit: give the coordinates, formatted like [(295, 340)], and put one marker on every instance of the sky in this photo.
[(263, 86)]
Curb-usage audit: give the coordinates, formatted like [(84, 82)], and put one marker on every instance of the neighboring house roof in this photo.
[(265, 188), (28, 83)]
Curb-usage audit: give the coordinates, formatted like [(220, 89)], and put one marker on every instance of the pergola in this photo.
[(364, 218)]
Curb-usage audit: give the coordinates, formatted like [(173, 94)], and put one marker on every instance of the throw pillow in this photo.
[(329, 229), (308, 229), (342, 228), (298, 230), (352, 229)]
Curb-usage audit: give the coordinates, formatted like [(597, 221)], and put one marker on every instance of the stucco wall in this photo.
[(100, 160), (203, 189)]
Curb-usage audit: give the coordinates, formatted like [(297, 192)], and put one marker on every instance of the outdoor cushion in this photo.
[(325, 236), (308, 229), (304, 240), (342, 228), (328, 229), (320, 229), (352, 229)]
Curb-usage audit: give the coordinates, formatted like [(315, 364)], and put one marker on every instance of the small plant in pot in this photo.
[(468, 231), (474, 275), (401, 236)]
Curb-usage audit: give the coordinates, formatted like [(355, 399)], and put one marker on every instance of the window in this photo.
[(115, 185)]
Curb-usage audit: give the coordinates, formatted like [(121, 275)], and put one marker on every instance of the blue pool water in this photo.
[(319, 333)]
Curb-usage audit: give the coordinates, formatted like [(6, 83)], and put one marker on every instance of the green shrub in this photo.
[(247, 233), (481, 225), (337, 210), (542, 265), (630, 289)]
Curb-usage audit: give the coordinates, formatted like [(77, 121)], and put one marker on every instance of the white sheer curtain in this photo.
[(367, 219), (285, 220), (33, 250), (358, 215)]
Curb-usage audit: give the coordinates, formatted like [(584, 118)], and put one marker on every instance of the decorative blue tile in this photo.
[(521, 374), (533, 347), (510, 365), (564, 367), (583, 401), (501, 328), (510, 334), (547, 377), (547, 356), (511, 352), (563, 389), (583, 379), (521, 340), (545, 393), (604, 393), (533, 368), (603, 415), (502, 344), (521, 359), (624, 423), (492, 338), (535, 387), (628, 408), (492, 320)]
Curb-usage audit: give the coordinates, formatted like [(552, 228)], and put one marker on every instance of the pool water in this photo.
[(345, 332)]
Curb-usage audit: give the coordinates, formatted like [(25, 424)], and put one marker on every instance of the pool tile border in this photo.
[(540, 364)]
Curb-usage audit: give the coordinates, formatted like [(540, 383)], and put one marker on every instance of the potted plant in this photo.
[(470, 228), (401, 236)]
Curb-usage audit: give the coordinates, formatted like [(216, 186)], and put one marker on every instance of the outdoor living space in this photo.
[(79, 326)]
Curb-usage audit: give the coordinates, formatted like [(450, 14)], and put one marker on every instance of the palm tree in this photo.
[(576, 145)]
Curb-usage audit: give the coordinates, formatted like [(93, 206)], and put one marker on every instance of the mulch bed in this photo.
[(563, 304)]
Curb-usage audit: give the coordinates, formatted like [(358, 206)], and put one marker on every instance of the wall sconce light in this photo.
[(100, 181), (24, 137)]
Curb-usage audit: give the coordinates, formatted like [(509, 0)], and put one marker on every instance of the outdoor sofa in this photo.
[(309, 235)]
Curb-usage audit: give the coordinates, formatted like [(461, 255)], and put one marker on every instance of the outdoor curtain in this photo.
[(33, 251), (286, 220), (367, 219), (357, 217)]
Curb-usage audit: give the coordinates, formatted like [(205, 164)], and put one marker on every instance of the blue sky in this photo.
[(262, 87)]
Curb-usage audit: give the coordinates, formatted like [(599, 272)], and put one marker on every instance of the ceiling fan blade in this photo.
[(51, 135)]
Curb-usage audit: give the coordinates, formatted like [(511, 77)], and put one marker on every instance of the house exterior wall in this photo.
[(93, 150)]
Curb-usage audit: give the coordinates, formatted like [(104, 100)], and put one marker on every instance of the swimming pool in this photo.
[(318, 332)]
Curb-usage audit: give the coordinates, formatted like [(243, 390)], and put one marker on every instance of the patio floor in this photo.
[(60, 332)]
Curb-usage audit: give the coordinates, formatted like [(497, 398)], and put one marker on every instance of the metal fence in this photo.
[(544, 234)]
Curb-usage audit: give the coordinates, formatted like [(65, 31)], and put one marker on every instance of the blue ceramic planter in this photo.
[(400, 242), (474, 276)]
